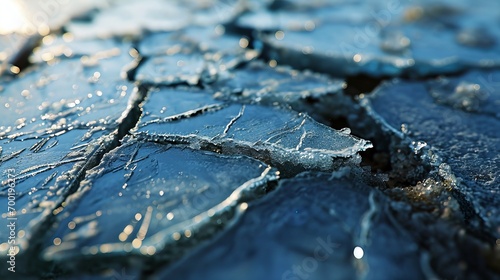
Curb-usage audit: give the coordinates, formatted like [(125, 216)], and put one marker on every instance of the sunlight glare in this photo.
[(12, 17)]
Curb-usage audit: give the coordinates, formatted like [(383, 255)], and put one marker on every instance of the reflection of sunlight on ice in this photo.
[(26, 17), (12, 17), (358, 253)]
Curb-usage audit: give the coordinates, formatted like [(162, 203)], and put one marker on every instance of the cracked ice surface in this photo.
[(131, 18), (193, 55), (458, 119), (185, 178), (283, 138), (309, 228), (51, 122), (151, 199), (380, 38), (303, 91), (89, 51)]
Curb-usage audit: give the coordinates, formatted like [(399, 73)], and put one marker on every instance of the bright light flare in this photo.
[(12, 17)]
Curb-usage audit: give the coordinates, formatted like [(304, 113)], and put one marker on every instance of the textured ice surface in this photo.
[(174, 69), (127, 18), (148, 199), (259, 83), (309, 228), (475, 92), (224, 50), (51, 120), (170, 60), (163, 43), (283, 138), (458, 119), (194, 55), (184, 176), (90, 51), (380, 38), (69, 94)]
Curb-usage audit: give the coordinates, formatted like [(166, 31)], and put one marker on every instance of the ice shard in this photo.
[(304, 91), (179, 68), (195, 55), (291, 141), (148, 200), (314, 226), (379, 38), (133, 18), (55, 118), (453, 124)]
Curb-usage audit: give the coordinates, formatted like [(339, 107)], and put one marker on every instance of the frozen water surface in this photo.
[(458, 119), (223, 49), (131, 18), (259, 82), (303, 91), (191, 56), (146, 154), (148, 199), (283, 138), (68, 94), (315, 226), (90, 51), (383, 39), (175, 69), (52, 119), (169, 60)]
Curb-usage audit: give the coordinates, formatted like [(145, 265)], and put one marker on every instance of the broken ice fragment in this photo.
[(222, 49), (51, 129), (283, 138), (474, 92), (89, 51), (312, 227), (179, 68), (41, 176), (303, 91), (191, 56), (148, 199), (133, 18), (384, 40), (458, 119), (164, 43), (261, 83)]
